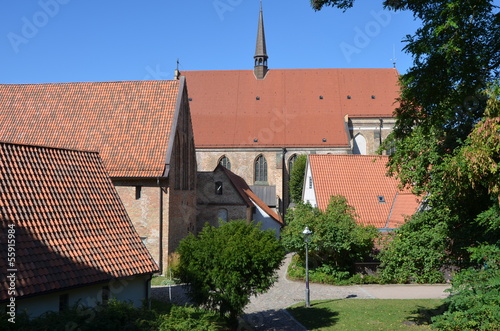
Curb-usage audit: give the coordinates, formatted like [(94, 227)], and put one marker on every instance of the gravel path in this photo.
[(268, 311)]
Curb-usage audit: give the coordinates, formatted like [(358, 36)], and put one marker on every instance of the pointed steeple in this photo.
[(260, 57)]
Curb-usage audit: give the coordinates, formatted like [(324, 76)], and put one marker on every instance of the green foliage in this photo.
[(189, 319), (118, 315), (337, 240), (226, 265), (297, 175), (474, 303), (416, 252)]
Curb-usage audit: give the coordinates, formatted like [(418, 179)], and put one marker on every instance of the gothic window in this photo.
[(224, 161), (260, 169), (359, 145)]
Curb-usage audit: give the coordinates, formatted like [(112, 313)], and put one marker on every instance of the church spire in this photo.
[(260, 57)]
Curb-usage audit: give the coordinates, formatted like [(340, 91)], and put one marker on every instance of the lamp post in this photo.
[(307, 239)]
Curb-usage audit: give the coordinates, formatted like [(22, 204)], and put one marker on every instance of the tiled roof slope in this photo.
[(247, 194), (289, 112), (128, 123), (71, 228), (362, 179)]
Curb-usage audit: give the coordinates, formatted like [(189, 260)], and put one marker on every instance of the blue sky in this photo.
[(108, 40)]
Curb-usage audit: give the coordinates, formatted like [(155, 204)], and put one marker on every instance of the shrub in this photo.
[(225, 265), (417, 252), (474, 303), (337, 241)]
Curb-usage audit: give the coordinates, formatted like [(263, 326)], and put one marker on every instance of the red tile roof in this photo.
[(71, 228), (251, 199), (128, 123), (232, 108), (362, 179)]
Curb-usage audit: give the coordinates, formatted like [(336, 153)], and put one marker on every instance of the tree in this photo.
[(337, 239), (443, 102), (474, 303), (226, 265), (416, 252), (297, 174)]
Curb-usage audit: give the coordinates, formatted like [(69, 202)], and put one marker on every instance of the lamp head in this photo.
[(307, 234)]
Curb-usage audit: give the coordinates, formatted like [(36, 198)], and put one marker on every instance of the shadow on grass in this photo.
[(315, 317), (273, 319), (424, 315)]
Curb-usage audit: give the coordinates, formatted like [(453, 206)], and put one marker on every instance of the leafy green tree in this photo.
[(226, 265), (474, 303), (443, 104), (297, 175), (337, 239), (402, 263)]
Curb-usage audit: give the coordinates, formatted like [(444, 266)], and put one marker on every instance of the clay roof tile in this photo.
[(56, 252)]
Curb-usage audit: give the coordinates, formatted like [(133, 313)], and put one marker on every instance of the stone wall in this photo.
[(242, 163), (210, 204)]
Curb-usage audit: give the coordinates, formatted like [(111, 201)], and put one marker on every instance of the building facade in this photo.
[(74, 242), (259, 120), (143, 133)]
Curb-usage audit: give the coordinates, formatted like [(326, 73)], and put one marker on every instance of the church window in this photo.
[(261, 169), (225, 162), (359, 145)]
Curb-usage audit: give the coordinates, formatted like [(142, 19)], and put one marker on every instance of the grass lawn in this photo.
[(162, 280), (367, 314)]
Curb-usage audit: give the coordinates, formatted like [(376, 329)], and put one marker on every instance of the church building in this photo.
[(256, 122)]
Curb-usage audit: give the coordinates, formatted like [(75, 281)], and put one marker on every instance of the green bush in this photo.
[(417, 252), (474, 303), (337, 241), (297, 174), (327, 274), (189, 319), (226, 265), (118, 316)]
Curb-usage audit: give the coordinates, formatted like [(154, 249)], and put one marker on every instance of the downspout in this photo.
[(148, 289), (161, 228)]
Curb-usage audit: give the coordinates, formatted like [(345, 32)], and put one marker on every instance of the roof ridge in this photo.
[(6, 142)]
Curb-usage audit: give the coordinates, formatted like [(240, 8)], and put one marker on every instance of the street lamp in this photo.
[(307, 239)]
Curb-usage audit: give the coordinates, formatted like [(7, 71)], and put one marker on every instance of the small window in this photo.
[(222, 215), (138, 190), (381, 199), (224, 161), (63, 302), (105, 295), (310, 182), (218, 188), (144, 240)]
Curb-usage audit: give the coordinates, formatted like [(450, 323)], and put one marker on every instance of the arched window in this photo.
[(222, 215), (224, 161), (261, 169), (359, 145)]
